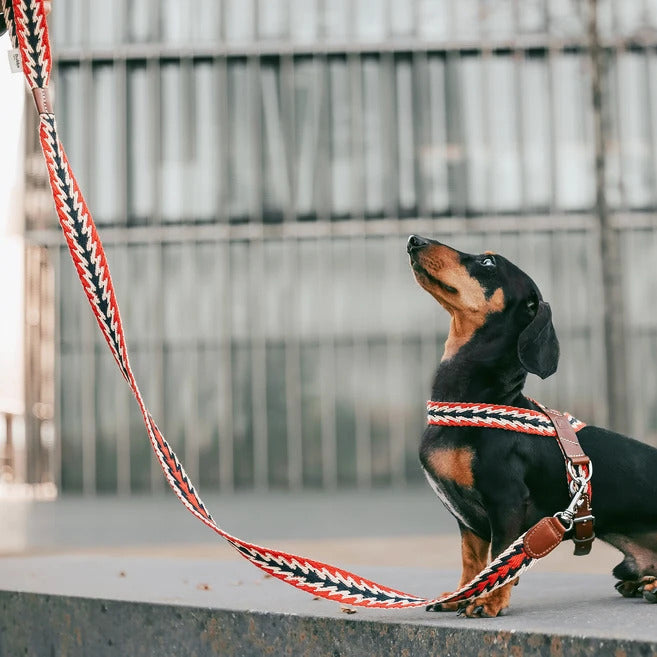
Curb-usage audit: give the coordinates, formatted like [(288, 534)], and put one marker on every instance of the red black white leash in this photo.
[(26, 20)]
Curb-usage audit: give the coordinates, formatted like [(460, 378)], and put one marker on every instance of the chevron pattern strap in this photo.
[(26, 20), (523, 420)]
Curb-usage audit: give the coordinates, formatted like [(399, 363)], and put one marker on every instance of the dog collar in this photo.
[(512, 418)]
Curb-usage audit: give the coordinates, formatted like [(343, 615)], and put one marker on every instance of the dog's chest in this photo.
[(450, 475)]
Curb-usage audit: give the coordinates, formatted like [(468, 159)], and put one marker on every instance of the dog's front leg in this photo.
[(474, 554), (507, 524)]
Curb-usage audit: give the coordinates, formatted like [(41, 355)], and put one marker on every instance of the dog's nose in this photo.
[(415, 242)]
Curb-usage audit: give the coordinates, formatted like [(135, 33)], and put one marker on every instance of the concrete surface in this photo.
[(77, 605), (140, 576)]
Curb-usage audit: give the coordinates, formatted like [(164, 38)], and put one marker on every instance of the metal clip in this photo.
[(568, 514)]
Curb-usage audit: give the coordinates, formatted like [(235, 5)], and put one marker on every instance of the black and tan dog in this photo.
[(498, 483)]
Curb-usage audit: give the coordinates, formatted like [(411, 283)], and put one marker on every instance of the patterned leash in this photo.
[(26, 20)]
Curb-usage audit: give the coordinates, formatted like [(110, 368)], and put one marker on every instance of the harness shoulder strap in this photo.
[(575, 458)]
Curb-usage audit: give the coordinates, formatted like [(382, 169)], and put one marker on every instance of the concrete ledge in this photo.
[(79, 606)]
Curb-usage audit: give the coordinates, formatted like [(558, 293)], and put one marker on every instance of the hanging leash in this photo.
[(26, 21)]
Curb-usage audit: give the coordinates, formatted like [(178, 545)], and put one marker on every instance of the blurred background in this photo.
[(255, 167)]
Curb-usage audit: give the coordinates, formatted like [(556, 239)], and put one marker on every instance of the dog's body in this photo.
[(498, 483)]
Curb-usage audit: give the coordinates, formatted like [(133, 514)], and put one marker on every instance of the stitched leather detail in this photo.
[(543, 537)]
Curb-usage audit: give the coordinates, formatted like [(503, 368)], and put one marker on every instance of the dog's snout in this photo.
[(416, 242)]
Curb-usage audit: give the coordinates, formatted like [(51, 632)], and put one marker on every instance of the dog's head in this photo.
[(487, 294)]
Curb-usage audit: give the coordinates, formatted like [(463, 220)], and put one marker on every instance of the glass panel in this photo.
[(177, 18), (174, 147), (435, 152), (73, 122), (405, 137), (373, 136), (204, 171), (575, 186), (307, 106), (432, 23), (240, 20), (106, 165), (633, 106), (402, 18), (567, 19), (342, 176), (206, 21), (534, 94), (105, 23), (473, 119), (276, 184), (504, 161), (467, 16), (141, 168), (370, 20), (106, 384), (142, 21), (337, 17), (272, 19), (304, 19), (241, 164), (70, 425)]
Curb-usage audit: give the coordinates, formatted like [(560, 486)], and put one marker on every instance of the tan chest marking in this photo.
[(453, 464)]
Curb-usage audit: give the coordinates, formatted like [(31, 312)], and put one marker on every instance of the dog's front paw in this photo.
[(489, 605), (649, 589), (645, 587)]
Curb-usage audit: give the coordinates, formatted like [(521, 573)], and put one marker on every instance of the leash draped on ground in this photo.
[(26, 20)]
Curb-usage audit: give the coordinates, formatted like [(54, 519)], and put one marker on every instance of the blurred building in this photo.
[(255, 167)]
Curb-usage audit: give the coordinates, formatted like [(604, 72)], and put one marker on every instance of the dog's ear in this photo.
[(538, 346)]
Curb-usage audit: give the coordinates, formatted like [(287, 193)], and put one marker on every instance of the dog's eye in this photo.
[(487, 261)]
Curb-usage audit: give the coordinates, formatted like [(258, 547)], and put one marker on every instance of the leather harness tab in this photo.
[(569, 443), (543, 537), (567, 438)]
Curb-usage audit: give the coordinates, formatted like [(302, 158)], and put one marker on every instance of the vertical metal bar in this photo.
[(225, 404), (292, 339), (329, 442), (397, 426), (57, 253), (122, 432), (519, 62), (189, 266), (192, 446), (123, 403), (609, 241), (87, 342), (552, 117), (258, 283), (361, 360), (156, 280), (650, 113)]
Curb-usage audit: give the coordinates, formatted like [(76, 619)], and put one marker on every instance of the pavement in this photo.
[(148, 560)]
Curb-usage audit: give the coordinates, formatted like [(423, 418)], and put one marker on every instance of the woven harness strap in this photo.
[(27, 22)]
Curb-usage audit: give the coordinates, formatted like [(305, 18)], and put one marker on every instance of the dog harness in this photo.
[(545, 422), (26, 20)]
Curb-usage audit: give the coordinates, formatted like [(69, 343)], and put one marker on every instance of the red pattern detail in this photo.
[(22, 21)]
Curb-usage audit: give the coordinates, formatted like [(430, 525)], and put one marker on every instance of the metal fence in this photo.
[(256, 167)]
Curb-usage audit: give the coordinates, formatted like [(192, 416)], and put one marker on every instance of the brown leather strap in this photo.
[(583, 523), (583, 534), (567, 438)]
